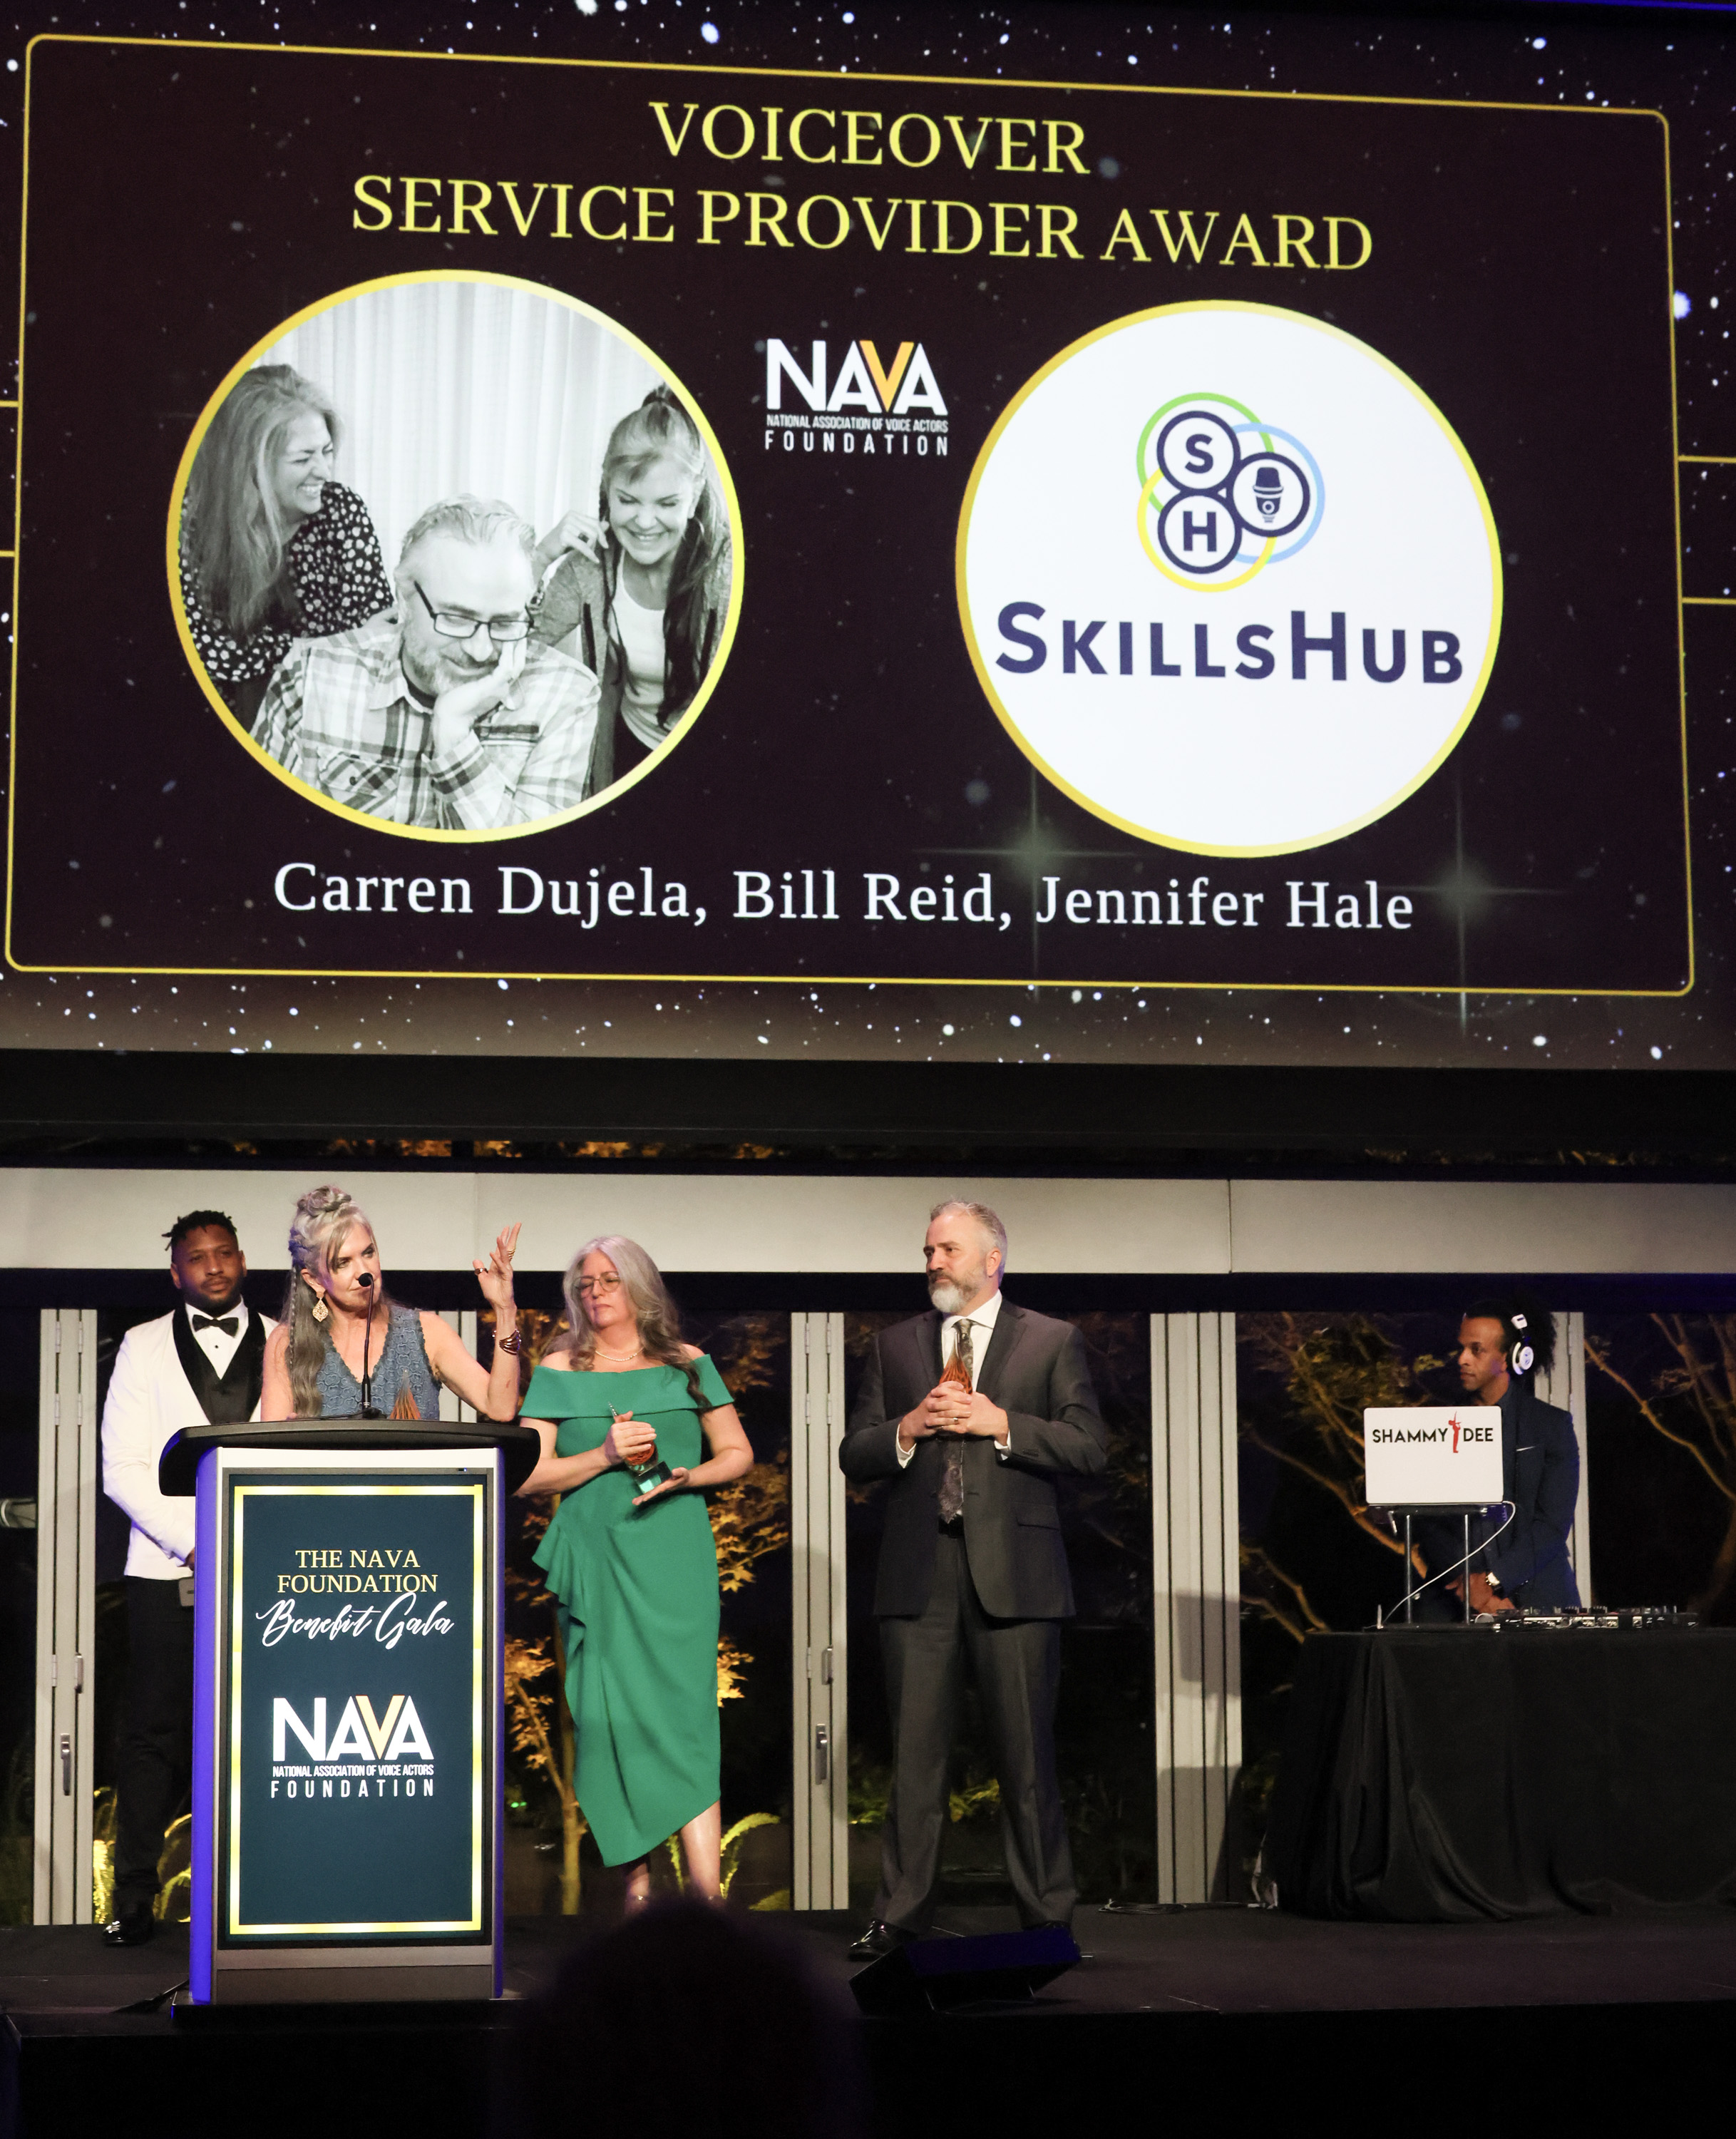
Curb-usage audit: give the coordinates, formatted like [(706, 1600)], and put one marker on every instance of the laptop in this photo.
[(1433, 1455)]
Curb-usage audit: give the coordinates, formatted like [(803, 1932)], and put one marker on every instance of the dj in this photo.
[(1502, 1345)]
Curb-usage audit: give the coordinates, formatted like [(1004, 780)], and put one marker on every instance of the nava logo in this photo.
[(907, 386), (360, 1730)]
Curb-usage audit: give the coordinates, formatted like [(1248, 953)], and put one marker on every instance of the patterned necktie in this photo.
[(952, 1480)]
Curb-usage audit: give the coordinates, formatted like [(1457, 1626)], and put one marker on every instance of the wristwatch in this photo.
[(1494, 1582)]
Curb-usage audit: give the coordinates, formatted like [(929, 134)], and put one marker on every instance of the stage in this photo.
[(1253, 2011)]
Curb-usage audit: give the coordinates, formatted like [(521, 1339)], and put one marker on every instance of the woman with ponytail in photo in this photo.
[(634, 1424), (336, 1309), (640, 594)]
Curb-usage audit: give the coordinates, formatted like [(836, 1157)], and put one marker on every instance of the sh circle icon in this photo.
[(1197, 450)]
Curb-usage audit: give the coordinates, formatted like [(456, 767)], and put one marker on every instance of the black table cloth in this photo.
[(1445, 1774)]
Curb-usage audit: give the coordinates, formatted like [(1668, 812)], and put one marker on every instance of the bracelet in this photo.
[(513, 1342)]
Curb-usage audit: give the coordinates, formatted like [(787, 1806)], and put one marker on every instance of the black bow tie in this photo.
[(228, 1323)]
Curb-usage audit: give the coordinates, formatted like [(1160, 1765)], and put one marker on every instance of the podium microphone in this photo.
[(365, 1278)]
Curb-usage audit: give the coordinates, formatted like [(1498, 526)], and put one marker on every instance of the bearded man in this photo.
[(972, 1410)]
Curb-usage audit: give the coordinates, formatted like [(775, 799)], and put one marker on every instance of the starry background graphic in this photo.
[(1675, 62)]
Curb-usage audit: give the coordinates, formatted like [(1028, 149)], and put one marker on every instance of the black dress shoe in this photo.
[(132, 1925), (878, 1941)]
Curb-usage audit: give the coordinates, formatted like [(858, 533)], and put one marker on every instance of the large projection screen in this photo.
[(1031, 565)]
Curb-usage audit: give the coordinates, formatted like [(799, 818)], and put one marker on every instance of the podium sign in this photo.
[(347, 1742)]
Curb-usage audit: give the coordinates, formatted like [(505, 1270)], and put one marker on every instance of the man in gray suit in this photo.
[(971, 1411)]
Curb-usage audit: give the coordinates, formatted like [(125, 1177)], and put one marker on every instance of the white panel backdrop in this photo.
[(444, 387)]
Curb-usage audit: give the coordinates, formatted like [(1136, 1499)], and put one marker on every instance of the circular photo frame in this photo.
[(455, 556)]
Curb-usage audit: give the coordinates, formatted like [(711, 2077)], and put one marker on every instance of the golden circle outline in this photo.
[(1196, 586), (440, 835), (962, 584)]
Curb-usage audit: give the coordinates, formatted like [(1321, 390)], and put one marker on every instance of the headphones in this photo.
[(1521, 1358)]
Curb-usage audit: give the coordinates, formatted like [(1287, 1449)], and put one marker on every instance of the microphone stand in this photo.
[(365, 1280)]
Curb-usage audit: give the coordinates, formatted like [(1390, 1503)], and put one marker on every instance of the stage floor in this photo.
[(1204, 1960), (1201, 2012)]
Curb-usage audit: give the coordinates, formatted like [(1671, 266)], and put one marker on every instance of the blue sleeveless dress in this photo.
[(399, 1366)]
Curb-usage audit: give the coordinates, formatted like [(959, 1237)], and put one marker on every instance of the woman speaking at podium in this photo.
[(622, 1404), (337, 1320)]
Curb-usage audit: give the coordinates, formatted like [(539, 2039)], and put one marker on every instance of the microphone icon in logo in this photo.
[(1268, 491)]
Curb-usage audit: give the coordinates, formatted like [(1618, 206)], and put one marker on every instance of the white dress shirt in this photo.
[(216, 1345), (982, 1319), (149, 1398)]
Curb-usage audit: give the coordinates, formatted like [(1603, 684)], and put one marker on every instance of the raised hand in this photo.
[(494, 1277), (574, 530), (458, 709)]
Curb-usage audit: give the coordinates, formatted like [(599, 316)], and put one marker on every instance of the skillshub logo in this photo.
[(1229, 579)]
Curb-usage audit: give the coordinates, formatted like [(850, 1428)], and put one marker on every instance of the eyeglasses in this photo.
[(609, 1284), (503, 630)]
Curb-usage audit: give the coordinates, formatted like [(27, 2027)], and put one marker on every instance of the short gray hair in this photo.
[(480, 521), (995, 1232)]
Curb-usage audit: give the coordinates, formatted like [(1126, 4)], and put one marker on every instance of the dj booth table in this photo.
[(1445, 1775)]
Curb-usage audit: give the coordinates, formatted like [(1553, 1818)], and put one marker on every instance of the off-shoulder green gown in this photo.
[(636, 1589)]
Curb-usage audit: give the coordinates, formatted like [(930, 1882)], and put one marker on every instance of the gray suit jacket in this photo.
[(1034, 1368)]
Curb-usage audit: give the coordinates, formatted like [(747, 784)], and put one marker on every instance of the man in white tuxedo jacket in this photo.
[(206, 1361)]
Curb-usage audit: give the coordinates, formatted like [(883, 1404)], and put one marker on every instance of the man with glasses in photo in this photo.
[(443, 711)]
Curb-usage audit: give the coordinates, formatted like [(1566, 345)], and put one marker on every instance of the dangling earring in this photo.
[(322, 1313)]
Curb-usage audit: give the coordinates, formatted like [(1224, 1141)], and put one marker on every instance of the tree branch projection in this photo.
[(1334, 1367), (1691, 1404), (1297, 1624)]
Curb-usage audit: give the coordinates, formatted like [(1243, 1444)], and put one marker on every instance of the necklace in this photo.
[(598, 1353)]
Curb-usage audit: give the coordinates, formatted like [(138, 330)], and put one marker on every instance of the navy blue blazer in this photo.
[(1540, 1476)]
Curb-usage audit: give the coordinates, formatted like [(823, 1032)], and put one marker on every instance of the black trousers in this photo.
[(1016, 1665), (156, 1744)]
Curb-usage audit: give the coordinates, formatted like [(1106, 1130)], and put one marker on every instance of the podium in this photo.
[(348, 1706)]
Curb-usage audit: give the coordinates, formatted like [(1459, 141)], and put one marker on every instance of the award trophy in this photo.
[(648, 1475)]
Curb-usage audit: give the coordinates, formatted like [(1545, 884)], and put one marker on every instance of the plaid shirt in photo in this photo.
[(340, 715)]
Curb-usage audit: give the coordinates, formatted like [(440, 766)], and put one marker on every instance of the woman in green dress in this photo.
[(630, 1559)]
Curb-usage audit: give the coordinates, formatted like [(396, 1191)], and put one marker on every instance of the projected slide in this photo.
[(567, 520)]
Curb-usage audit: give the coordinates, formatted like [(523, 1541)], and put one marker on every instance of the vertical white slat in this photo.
[(62, 1881), (448, 1401), (839, 1602), (1210, 1446), (466, 1321), (1196, 1603), (801, 1726), (1228, 1886), (88, 1465), (46, 1761), (468, 1333), (817, 1614), (1187, 1687), (1162, 1588)]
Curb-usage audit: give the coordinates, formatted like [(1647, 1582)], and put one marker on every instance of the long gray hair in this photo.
[(323, 1219), (658, 1319)]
